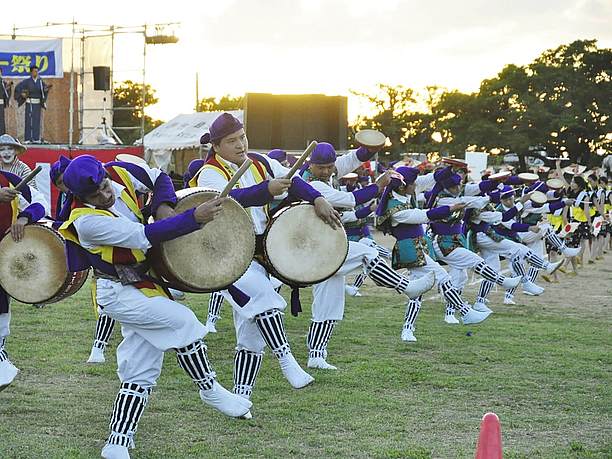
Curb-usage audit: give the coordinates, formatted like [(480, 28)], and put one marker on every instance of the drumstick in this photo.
[(301, 159), (28, 178), (235, 178)]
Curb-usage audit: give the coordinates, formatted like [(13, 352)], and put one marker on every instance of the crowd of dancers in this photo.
[(443, 225)]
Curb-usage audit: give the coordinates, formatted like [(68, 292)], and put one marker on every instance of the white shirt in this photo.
[(408, 216), (212, 179), (473, 202), (124, 230), (37, 197)]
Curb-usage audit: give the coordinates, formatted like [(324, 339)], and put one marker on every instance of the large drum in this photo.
[(300, 249), (34, 270), (211, 258)]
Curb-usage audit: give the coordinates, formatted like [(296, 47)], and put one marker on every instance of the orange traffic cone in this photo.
[(490, 440)]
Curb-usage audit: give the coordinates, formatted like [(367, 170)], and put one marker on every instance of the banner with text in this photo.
[(16, 57)]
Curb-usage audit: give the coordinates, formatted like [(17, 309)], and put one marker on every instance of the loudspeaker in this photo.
[(101, 77)]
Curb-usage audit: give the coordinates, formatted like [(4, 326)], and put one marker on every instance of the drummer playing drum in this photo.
[(258, 318), (108, 226), (328, 296), (16, 210)]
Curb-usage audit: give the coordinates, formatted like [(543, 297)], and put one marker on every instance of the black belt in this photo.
[(126, 274)]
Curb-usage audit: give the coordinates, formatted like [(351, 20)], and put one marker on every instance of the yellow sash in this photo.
[(223, 168), (556, 221), (108, 253)]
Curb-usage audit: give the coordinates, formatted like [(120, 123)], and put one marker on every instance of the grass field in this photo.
[(544, 366)]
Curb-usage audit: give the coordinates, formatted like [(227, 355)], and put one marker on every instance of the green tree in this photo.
[(391, 104), (560, 103), (128, 94), (224, 103), (572, 85)]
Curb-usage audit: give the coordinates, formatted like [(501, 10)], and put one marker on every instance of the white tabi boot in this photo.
[(481, 306), (474, 317), (8, 372), (115, 452), (532, 289), (552, 267), (96, 355), (227, 403), (294, 373)]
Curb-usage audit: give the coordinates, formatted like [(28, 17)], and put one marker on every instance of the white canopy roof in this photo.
[(183, 131)]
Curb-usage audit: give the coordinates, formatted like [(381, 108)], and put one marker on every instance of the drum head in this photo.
[(555, 184), (302, 248), (33, 270), (528, 177), (370, 138), (538, 197), (350, 175), (215, 256), (500, 176)]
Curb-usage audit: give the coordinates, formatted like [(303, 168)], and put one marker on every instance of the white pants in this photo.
[(431, 267), (535, 241), (5, 324), (328, 296), (150, 326), (459, 260), (259, 286), (505, 247), (492, 250)]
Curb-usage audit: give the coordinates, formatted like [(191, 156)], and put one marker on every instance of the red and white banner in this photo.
[(46, 155)]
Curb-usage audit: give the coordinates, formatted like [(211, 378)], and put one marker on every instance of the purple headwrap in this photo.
[(279, 155), (58, 168), (409, 174), (453, 180), (323, 153), (224, 125), (192, 169), (84, 175), (506, 192)]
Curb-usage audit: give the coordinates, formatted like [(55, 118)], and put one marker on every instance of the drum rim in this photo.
[(499, 175), (158, 254), (555, 180), (367, 132), (528, 177), (270, 267), (59, 294), (455, 162)]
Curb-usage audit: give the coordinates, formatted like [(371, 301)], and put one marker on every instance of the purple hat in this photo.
[(58, 168), (452, 180), (506, 192), (323, 153), (279, 155), (84, 175), (192, 169), (224, 125), (409, 173)]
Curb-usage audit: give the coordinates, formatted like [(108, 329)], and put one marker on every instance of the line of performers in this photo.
[(436, 220)]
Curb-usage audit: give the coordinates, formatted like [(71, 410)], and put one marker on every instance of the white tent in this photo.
[(180, 133)]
